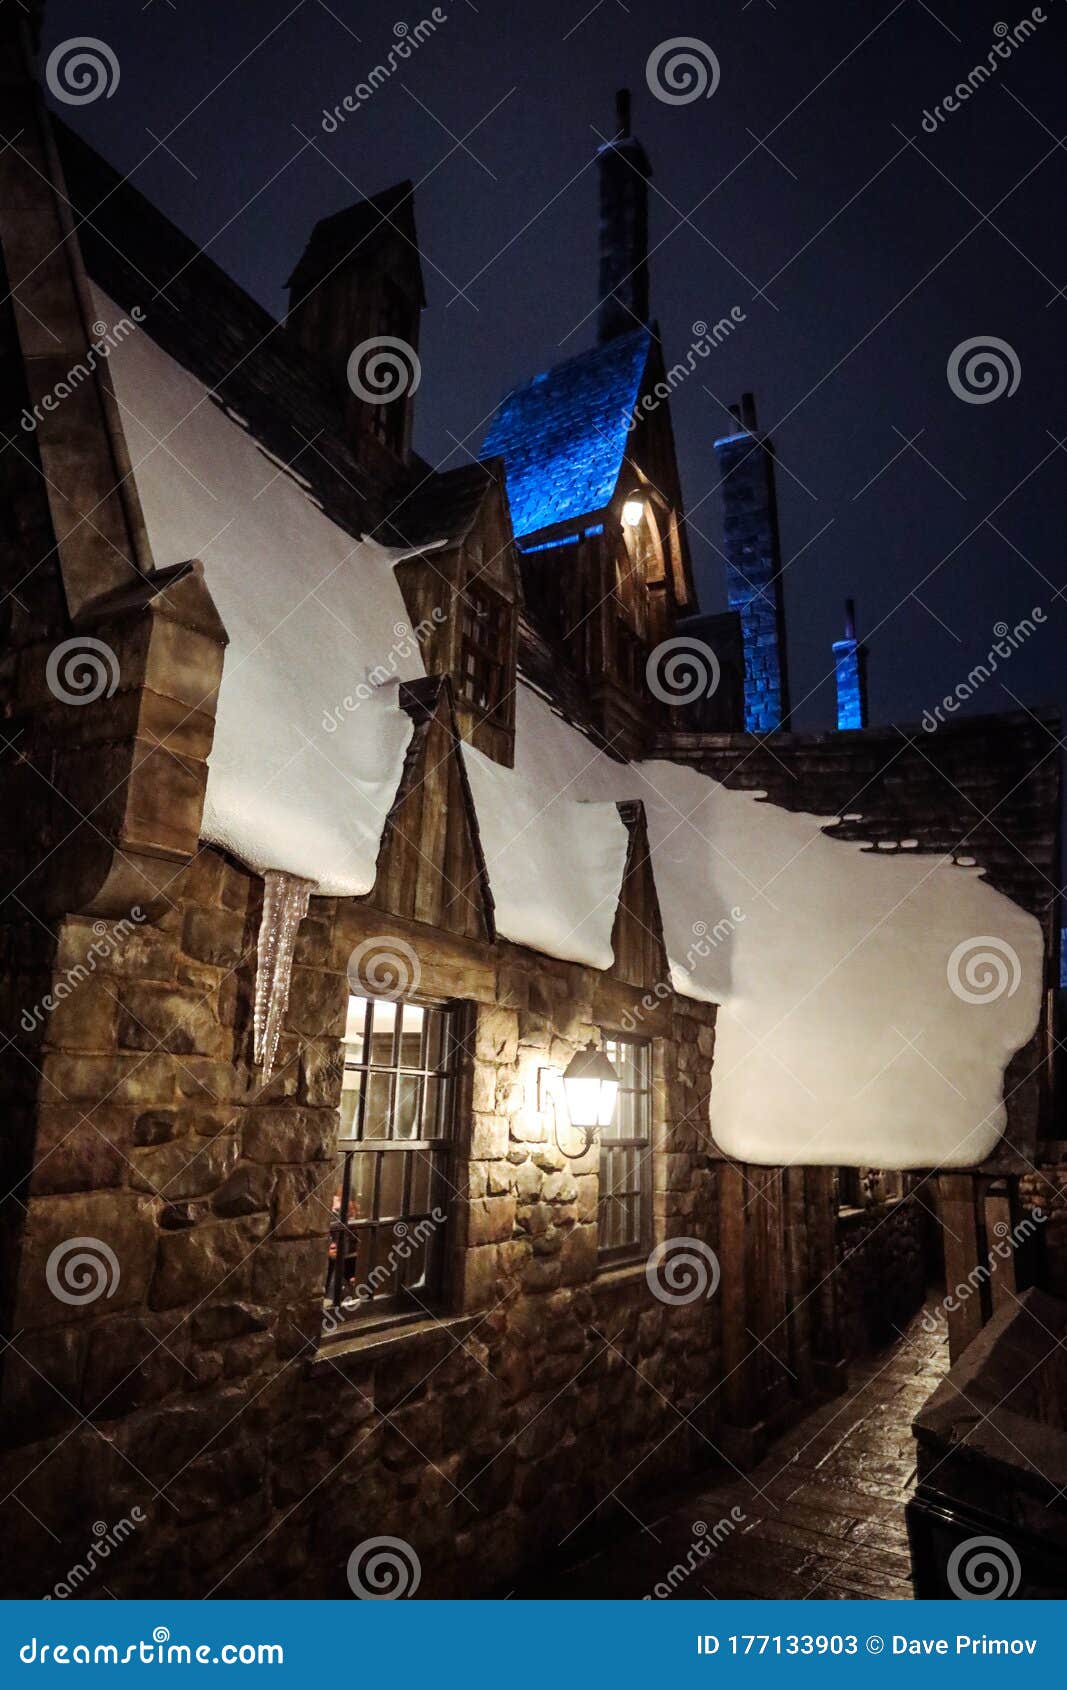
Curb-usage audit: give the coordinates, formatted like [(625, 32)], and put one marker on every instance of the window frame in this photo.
[(624, 1255), (441, 1148), (490, 656)]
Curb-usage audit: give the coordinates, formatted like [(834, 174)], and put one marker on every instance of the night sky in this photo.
[(860, 261)]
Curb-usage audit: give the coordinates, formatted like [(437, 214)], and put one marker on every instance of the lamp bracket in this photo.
[(548, 1081)]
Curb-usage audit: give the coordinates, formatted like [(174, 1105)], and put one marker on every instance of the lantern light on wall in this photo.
[(633, 510), (590, 1085)]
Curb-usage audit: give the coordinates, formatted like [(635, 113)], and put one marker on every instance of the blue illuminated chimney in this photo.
[(754, 567), (850, 670)]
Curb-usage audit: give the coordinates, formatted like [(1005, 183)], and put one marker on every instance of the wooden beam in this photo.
[(959, 1227), (998, 1223)]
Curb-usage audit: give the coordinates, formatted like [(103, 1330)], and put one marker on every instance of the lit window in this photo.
[(393, 1184), (624, 1217), (866, 1188)]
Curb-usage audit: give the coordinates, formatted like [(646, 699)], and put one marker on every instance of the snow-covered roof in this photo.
[(854, 1024), (851, 1026), (308, 751)]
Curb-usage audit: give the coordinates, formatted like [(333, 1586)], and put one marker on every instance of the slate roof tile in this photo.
[(563, 435)]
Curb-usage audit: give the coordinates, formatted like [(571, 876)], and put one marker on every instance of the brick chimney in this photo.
[(624, 177), (754, 567), (850, 673)]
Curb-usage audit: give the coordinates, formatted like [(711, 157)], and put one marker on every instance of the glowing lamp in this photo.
[(591, 1086), (633, 510)]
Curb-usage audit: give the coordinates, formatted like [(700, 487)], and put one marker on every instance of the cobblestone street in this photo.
[(822, 1516)]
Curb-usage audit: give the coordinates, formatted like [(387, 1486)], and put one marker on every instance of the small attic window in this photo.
[(484, 646)]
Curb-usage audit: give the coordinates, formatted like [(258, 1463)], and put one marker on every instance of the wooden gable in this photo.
[(441, 585), (651, 464), (430, 863), (637, 936)]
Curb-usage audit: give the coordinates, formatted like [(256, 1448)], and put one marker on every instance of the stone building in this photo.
[(347, 803)]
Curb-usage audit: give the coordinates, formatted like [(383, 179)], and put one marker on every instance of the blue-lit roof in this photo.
[(563, 435)]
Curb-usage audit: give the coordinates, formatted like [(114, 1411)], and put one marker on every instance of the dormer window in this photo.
[(484, 647)]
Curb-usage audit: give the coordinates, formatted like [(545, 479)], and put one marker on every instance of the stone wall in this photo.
[(850, 682), (184, 1377), (753, 571)]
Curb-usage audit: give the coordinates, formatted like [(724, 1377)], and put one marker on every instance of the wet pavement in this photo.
[(821, 1517)]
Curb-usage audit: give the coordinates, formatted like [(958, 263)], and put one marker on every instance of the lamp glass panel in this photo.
[(583, 1101)]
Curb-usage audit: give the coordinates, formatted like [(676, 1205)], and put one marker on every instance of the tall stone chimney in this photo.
[(850, 673), (754, 567), (355, 299), (624, 177)]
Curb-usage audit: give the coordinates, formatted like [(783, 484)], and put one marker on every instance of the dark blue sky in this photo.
[(880, 257)]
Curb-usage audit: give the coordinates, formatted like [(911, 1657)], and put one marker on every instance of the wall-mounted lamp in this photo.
[(633, 511), (590, 1086)]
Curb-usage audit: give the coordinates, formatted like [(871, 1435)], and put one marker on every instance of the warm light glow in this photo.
[(591, 1085), (608, 1092), (633, 511)]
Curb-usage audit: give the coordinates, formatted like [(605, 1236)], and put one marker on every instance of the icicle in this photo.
[(285, 902)]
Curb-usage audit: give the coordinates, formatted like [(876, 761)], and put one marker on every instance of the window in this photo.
[(484, 642), (393, 1176), (624, 1217), (866, 1188)]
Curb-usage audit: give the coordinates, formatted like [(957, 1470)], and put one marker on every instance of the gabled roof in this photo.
[(206, 322), (349, 234), (563, 436), (443, 507)]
